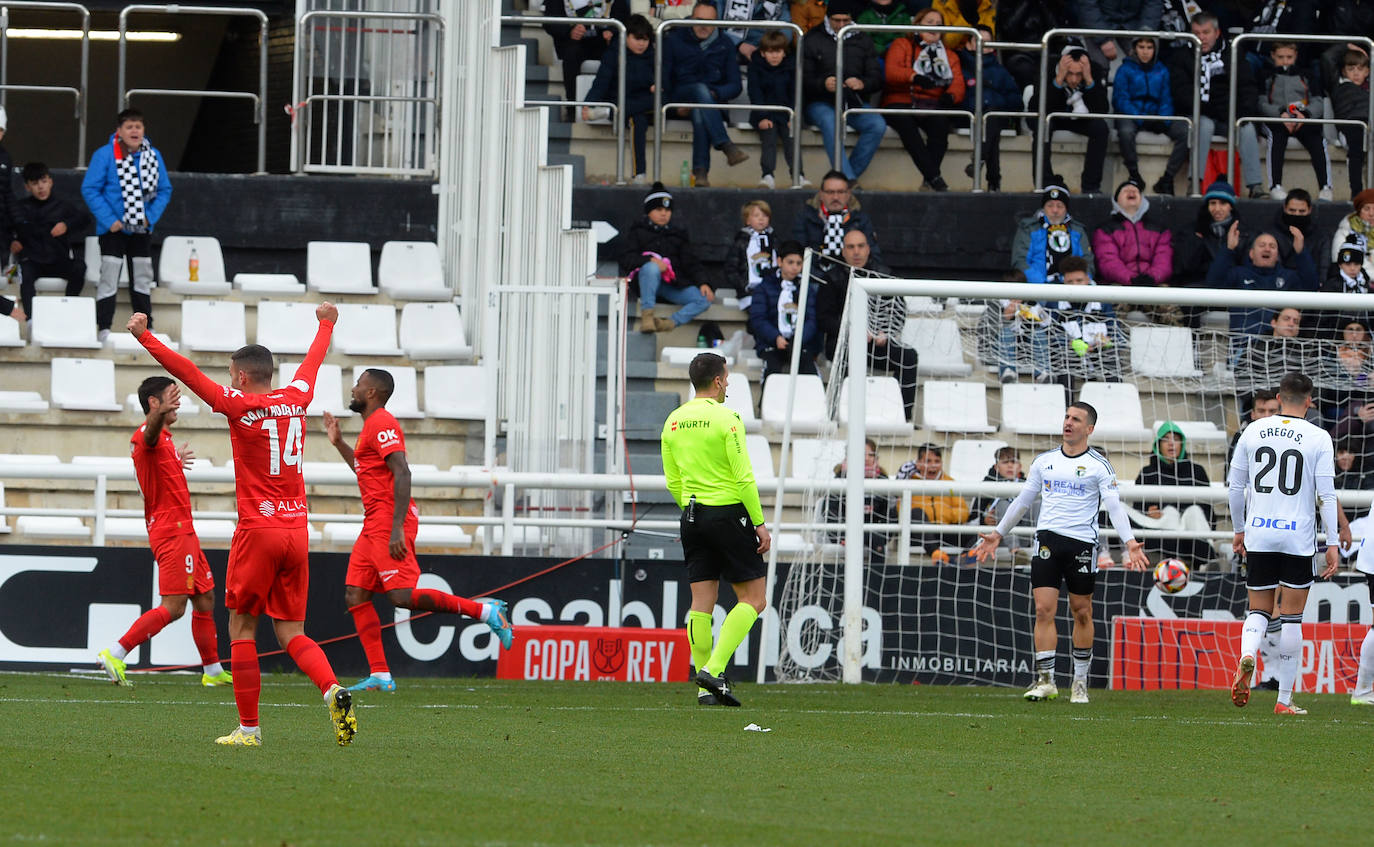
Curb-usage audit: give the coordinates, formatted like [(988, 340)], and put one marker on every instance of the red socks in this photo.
[(203, 633), (310, 659), (150, 623), (369, 628), (243, 663), (428, 599)]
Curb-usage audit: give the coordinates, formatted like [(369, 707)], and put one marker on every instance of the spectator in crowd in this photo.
[(1343, 18), (1169, 465), (1000, 94), (1260, 271), (1282, 17), (884, 13), (922, 73), (661, 264), (127, 189), (747, 40), (808, 14), (1142, 88), (1359, 222), (12, 309), (1049, 235), (976, 14), (699, 66), (639, 89), (1263, 403), (1349, 277), (989, 511), (1075, 90), (578, 43), (1177, 16), (878, 508), (826, 217), (1351, 362), (1086, 339), (1351, 476), (1268, 357), (1027, 22), (1286, 92), (1017, 321), (753, 252), (1117, 15), (773, 316), (772, 79), (1350, 102), (1355, 427), (7, 198), (932, 508), (1296, 213), (863, 77), (44, 226), (1195, 251), (1215, 92), (1132, 248)]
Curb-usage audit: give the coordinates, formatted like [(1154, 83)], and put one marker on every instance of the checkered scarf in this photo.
[(138, 175), (832, 244)]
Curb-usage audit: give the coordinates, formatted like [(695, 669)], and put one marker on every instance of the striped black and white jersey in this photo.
[(1288, 467)]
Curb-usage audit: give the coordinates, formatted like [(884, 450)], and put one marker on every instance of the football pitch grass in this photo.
[(482, 761)]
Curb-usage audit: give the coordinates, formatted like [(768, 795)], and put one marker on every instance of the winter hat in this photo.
[(1353, 249), (1117, 193), (1073, 47), (657, 198), (1220, 190), (1366, 196), (1054, 191), (852, 8)]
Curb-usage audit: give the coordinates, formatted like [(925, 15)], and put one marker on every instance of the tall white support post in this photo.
[(852, 617)]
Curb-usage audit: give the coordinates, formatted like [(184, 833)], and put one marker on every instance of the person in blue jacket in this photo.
[(127, 190), (773, 316), (699, 66), (639, 88), (1142, 88), (1260, 271), (1000, 94), (1048, 236)]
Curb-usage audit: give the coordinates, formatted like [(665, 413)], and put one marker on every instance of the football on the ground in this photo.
[(1171, 576)]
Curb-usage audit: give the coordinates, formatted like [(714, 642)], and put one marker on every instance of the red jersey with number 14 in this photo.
[(381, 436), (166, 499)]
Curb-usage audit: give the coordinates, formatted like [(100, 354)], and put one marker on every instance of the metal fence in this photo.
[(77, 92)]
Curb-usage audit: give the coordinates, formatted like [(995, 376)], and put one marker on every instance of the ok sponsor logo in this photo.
[(1281, 524), (388, 436)]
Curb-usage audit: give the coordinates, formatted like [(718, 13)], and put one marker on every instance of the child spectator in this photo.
[(1169, 465), (1349, 277), (934, 508), (1000, 94), (1286, 92), (772, 82), (922, 73), (752, 254), (639, 88), (1142, 88), (878, 508), (44, 226), (1134, 249), (773, 316), (989, 511), (660, 263), (1361, 223), (1050, 235), (578, 43), (885, 13), (1087, 339), (1350, 475), (1350, 102)]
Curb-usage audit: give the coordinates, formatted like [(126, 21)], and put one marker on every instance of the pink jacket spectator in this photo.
[(1131, 250)]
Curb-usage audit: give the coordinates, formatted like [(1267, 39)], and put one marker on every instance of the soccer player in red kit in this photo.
[(383, 558), (181, 567), (269, 568)]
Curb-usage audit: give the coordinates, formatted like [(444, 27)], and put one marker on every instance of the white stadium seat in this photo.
[(683, 356), (37, 526), (54, 284), (955, 407), (286, 327), (816, 458), (938, 347), (739, 397), (93, 263), (105, 463), (22, 401), (343, 534), (213, 530), (124, 342), (329, 391), (456, 391), (809, 410), (433, 331), (404, 402), (761, 458), (970, 458), (339, 267), (126, 529), (884, 413), (84, 385), (1163, 351), (1034, 409), (213, 325), (410, 270), (10, 336), (442, 535), (174, 266), (268, 284), (64, 322), (29, 459), (366, 330), (1118, 410)]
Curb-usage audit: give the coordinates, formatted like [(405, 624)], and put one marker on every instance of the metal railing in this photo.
[(1043, 119), (618, 107), (660, 108), (257, 99), (416, 140), (77, 93), (1233, 123)]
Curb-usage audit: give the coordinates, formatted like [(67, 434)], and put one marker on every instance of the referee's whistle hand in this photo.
[(765, 540)]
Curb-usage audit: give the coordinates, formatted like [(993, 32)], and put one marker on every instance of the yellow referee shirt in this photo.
[(704, 455)]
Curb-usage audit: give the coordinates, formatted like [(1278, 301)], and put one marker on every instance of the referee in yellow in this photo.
[(723, 536)]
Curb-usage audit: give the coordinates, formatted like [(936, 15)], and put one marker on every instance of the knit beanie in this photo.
[(657, 198)]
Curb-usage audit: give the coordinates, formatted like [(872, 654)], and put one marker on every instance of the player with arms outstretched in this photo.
[(181, 567), (1074, 482), (383, 558), (269, 568), (1289, 467)]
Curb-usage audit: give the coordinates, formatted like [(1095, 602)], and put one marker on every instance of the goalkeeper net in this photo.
[(966, 392)]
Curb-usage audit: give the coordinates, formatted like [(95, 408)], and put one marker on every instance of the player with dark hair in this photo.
[(269, 566), (181, 567), (383, 558), (1074, 482), (709, 475), (1287, 466)]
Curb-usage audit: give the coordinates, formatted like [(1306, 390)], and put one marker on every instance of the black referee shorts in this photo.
[(1059, 559), (720, 544), (1270, 570)]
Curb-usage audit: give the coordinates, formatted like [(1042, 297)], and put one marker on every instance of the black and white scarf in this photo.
[(1213, 65), (932, 63), (1358, 285), (787, 308), (138, 177), (760, 254), (832, 244)]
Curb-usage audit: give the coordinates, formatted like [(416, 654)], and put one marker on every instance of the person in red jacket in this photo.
[(1132, 249), (921, 72)]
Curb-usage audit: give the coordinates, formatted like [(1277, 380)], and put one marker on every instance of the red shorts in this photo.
[(371, 567), (181, 566), (269, 571)]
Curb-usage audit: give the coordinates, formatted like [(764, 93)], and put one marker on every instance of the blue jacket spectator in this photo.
[(1143, 87), (688, 60), (1049, 235), (639, 85), (100, 187), (771, 85), (1000, 91), (763, 325), (1260, 271)]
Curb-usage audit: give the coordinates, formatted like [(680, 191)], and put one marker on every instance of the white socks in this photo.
[(383, 675), (118, 651), (1252, 633), (1290, 649), (214, 669), (1364, 680)]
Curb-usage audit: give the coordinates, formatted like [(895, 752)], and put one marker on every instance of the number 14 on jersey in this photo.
[(284, 451)]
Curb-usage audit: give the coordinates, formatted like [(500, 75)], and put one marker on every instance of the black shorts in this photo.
[(721, 544), (1270, 570), (1058, 559)]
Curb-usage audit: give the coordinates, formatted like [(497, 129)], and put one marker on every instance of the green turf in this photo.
[(492, 762)]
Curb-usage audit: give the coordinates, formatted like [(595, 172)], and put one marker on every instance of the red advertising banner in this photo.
[(1154, 653), (595, 653)]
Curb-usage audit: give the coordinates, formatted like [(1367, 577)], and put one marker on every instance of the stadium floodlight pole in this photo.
[(851, 619)]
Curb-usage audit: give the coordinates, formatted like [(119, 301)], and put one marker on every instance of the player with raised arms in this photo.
[(269, 566), (383, 558), (1288, 466), (1074, 482), (181, 567)]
